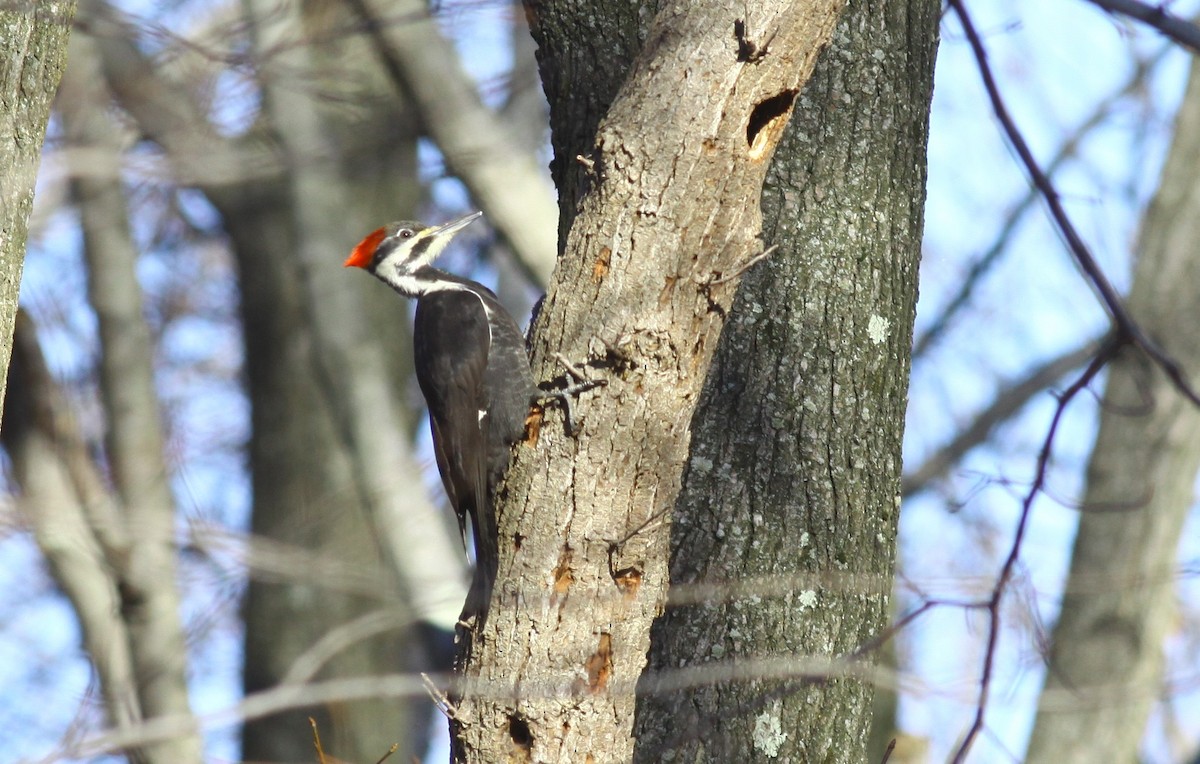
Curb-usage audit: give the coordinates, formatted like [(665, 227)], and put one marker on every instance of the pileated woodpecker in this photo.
[(471, 364)]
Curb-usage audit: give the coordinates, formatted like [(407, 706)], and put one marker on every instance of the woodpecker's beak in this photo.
[(431, 241), (454, 226)]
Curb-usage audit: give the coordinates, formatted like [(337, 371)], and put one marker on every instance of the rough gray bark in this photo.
[(33, 48), (654, 241), (133, 432), (793, 474), (1106, 660)]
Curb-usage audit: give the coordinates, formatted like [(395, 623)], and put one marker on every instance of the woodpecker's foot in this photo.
[(563, 397)]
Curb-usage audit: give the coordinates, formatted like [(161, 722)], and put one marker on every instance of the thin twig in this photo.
[(1003, 407), (439, 698), (888, 753), (880, 639), (744, 267), (317, 741), (1180, 30), (1014, 552), (571, 368), (1068, 150)]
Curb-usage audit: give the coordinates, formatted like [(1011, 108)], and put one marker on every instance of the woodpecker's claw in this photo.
[(563, 398)]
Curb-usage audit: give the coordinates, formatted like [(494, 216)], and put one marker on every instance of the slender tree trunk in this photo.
[(62, 498), (662, 215), (146, 568), (332, 473), (33, 49), (783, 541), (1106, 659)]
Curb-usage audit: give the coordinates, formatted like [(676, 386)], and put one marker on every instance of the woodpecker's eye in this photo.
[(405, 233)]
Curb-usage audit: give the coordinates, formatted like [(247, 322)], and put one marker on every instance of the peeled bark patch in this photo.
[(599, 666)]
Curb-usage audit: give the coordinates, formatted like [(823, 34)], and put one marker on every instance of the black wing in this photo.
[(450, 346), (508, 403)]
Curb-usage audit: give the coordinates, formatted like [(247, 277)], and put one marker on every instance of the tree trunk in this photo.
[(1106, 660), (667, 217), (61, 498), (33, 50), (146, 567), (783, 541), (333, 477)]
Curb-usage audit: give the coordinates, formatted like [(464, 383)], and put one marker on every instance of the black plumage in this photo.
[(472, 365), (461, 339)]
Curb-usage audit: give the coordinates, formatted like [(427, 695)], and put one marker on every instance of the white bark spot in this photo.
[(807, 599), (769, 736), (877, 329)]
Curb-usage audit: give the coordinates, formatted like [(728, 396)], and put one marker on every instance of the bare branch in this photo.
[(1128, 330), (1010, 563), (1066, 151), (1006, 404), (164, 110), (40, 436), (311, 661), (1180, 30)]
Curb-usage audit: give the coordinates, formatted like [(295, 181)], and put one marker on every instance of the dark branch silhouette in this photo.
[(1003, 407), (1010, 562), (1067, 151), (1180, 30)]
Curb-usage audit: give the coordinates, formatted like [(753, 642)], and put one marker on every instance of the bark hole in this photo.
[(518, 730), (767, 121)]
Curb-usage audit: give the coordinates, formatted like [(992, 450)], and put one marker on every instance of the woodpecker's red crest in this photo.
[(362, 254)]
